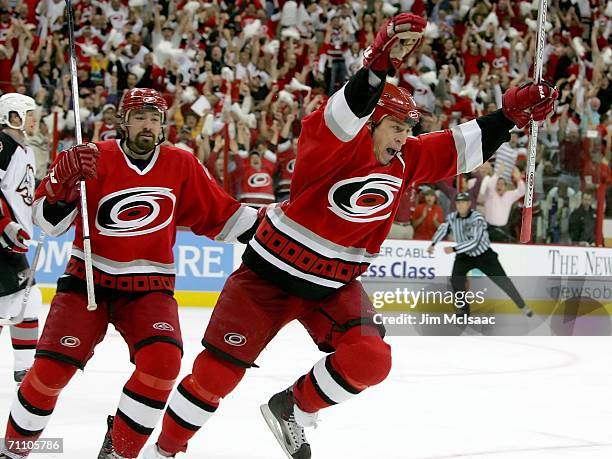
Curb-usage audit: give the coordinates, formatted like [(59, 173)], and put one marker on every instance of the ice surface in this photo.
[(447, 397)]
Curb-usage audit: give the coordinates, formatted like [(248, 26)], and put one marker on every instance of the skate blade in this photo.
[(274, 427)]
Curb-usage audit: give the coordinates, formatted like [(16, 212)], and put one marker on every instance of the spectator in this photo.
[(507, 155), (38, 140), (282, 60), (560, 202), (427, 216), (401, 228), (582, 222), (498, 204)]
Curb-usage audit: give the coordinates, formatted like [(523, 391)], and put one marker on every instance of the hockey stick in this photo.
[(91, 299), (28, 288), (533, 127)]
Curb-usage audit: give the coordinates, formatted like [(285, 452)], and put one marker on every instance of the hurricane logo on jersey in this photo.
[(135, 211), (291, 166), (259, 179), (364, 199), (109, 135)]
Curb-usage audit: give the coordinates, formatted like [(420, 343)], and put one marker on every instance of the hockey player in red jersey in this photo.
[(138, 192), (355, 156)]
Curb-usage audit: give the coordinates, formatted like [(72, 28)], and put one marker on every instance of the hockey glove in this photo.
[(75, 164), (398, 37), (12, 234), (529, 100), (13, 237)]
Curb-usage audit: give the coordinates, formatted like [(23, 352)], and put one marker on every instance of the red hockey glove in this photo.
[(529, 100), (75, 164), (398, 37)]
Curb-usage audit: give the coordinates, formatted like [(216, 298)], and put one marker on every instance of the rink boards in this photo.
[(542, 274)]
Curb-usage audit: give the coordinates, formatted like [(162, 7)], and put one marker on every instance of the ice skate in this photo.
[(19, 376), (279, 415), (527, 311), (153, 452), (6, 454), (106, 452)]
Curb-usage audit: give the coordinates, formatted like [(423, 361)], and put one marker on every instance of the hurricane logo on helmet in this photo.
[(364, 199), (135, 211), (259, 179)]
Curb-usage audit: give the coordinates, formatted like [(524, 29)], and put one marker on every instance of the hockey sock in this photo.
[(196, 399), (24, 337), (359, 362), (144, 396), (36, 399)]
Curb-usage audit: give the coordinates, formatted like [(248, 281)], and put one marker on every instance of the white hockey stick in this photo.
[(533, 126), (28, 288), (91, 299)]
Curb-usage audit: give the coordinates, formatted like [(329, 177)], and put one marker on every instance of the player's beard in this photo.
[(142, 144)]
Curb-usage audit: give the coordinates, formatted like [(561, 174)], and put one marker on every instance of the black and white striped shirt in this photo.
[(470, 233)]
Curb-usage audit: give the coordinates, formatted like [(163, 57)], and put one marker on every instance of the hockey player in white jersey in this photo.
[(17, 169)]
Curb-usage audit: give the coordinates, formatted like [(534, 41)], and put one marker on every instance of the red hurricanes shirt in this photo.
[(343, 200), (133, 216)]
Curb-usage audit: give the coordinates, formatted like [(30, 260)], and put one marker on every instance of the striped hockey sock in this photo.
[(144, 397), (24, 337)]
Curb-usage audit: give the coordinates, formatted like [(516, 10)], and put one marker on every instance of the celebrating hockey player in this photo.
[(355, 156), (138, 193), (17, 172)]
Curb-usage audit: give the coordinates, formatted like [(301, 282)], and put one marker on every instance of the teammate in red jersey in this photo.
[(355, 156), (138, 193)]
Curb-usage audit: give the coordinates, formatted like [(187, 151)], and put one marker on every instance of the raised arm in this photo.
[(434, 156)]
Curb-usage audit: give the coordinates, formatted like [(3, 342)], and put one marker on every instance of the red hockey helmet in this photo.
[(138, 98), (398, 103)]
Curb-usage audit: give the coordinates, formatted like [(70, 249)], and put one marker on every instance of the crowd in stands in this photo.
[(239, 75)]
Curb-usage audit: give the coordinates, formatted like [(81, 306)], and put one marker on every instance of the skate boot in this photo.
[(280, 416), (153, 452), (527, 311), (463, 312), (6, 454), (19, 377), (107, 452)]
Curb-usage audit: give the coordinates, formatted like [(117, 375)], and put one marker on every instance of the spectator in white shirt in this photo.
[(498, 204)]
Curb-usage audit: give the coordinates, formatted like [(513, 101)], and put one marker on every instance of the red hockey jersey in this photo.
[(134, 214), (343, 201), (108, 132), (286, 165), (257, 185)]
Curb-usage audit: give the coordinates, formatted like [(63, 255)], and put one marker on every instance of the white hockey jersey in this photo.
[(17, 172)]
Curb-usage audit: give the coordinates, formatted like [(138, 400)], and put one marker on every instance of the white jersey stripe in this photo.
[(468, 143), (340, 119), (126, 267), (242, 220), (314, 242), (290, 269), (48, 227)]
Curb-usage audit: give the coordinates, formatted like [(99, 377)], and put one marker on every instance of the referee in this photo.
[(473, 250)]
